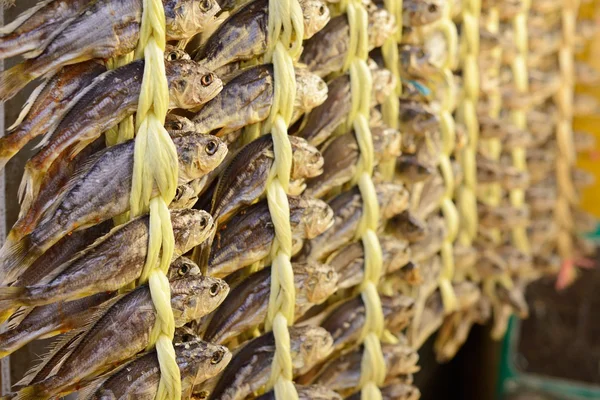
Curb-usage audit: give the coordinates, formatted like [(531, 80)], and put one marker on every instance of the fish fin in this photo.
[(29, 103), (42, 46), (13, 80), (30, 393), (9, 28), (18, 317), (66, 343), (14, 256)]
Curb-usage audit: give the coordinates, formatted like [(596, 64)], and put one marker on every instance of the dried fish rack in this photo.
[(481, 94)]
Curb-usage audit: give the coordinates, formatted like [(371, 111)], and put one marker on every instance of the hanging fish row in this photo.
[(65, 267)]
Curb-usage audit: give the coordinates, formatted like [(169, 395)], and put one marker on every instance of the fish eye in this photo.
[(172, 56), (322, 10), (329, 275), (203, 394), (315, 158), (432, 8), (184, 269), (203, 222), (214, 289), (216, 357), (207, 79), (321, 86), (211, 147), (205, 5)]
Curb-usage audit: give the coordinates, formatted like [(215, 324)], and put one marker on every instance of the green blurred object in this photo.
[(514, 384)]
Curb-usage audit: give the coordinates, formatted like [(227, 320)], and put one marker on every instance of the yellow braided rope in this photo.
[(466, 198), (373, 369), (519, 117), (492, 194), (155, 162), (564, 128), (448, 29), (391, 106), (285, 18)]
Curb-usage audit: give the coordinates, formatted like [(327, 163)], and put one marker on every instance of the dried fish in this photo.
[(247, 98), (245, 178), (347, 210), (348, 261), (250, 368), (247, 237), (324, 119), (53, 319), (116, 32), (101, 191), (124, 330), (121, 253), (246, 307), (345, 321), (112, 97), (243, 36), (341, 157), (342, 373), (139, 379)]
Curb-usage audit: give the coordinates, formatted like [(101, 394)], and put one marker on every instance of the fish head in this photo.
[(190, 228), (383, 84), (309, 345), (403, 359), (199, 360), (419, 12), (319, 281), (316, 16), (198, 155), (396, 253), (318, 217), (386, 141), (196, 296), (172, 53), (186, 18), (311, 90), (317, 392), (307, 160), (183, 267), (393, 199), (417, 60), (402, 391), (398, 311), (382, 25), (176, 123), (191, 85), (467, 294)]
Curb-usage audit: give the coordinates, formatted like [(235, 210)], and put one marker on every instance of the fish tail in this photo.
[(33, 392), (28, 187), (15, 258), (7, 151), (15, 79)]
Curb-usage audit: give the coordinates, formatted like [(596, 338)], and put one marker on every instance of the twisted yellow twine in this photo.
[(285, 18), (468, 115), (373, 369), (492, 194), (564, 129), (155, 162), (391, 106), (448, 29)]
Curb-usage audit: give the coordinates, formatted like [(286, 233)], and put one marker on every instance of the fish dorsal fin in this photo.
[(91, 386), (29, 103), (56, 354), (63, 347), (18, 317), (98, 81), (7, 29)]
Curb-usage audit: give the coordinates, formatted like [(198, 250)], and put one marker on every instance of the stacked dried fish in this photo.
[(393, 153)]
